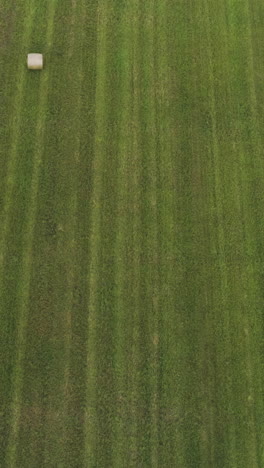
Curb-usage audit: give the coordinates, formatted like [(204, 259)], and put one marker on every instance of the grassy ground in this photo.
[(131, 234)]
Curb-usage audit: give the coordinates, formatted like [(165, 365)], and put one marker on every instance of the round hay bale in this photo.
[(35, 61)]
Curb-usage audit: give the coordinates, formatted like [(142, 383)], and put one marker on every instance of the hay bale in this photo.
[(35, 61)]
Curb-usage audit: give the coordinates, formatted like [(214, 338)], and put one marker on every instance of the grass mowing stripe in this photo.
[(249, 235), (204, 420), (171, 441), (252, 341), (247, 278), (78, 11), (134, 243), (198, 193), (227, 317), (209, 437), (64, 443), (250, 325), (42, 428), (152, 288), (135, 201), (232, 348), (11, 93), (175, 214), (215, 146), (249, 189), (95, 233), (15, 128), (249, 228), (219, 209), (27, 254), (124, 149), (78, 358)]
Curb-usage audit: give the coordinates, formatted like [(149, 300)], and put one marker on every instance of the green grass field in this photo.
[(132, 234)]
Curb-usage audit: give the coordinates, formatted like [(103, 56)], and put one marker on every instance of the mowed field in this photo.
[(132, 234)]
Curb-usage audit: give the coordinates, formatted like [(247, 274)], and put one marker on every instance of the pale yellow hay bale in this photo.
[(35, 61)]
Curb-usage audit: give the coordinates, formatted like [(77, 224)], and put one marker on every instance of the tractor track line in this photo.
[(153, 244), (95, 233), (219, 207), (72, 218), (171, 329), (119, 248), (205, 355), (135, 221)]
